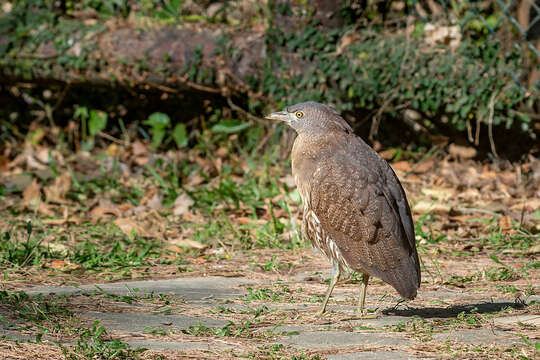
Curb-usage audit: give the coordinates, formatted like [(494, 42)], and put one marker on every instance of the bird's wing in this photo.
[(362, 207)]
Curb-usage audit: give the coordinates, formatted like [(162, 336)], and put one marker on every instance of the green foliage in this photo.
[(121, 253), (97, 122), (424, 222), (171, 9), (179, 135), (230, 126), (158, 122), (36, 309), (92, 344), (21, 253), (382, 73)]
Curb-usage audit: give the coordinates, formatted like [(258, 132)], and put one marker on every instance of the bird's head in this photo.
[(311, 117)]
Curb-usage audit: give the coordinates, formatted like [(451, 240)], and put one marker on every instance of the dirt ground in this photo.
[(118, 215)]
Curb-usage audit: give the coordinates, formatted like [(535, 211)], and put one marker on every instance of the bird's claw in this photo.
[(360, 315)]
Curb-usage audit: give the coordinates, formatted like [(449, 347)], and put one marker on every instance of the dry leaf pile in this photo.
[(70, 191)]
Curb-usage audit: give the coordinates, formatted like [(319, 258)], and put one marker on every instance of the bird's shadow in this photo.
[(455, 310)]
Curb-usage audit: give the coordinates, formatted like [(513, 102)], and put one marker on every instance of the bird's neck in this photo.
[(308, 150)]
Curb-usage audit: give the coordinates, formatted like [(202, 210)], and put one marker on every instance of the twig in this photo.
[(430, 154), (245, 113), (113, 139), (225, 248), (61, 97), (163, 88), (475, 210), (263, 142), (469, 130), (392, 94), (477, 134), (490, 124), (201, 87)]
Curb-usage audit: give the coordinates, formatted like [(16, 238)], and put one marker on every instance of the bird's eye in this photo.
[(299, 114)]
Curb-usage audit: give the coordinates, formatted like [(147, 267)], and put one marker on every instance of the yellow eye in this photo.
[(299, 114)]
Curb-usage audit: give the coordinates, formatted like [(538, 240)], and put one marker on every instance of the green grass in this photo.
[(279, 292), (101, 246), (50, 315), (24, 248), (92, 343)]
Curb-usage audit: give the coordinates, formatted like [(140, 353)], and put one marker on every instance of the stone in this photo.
[(201, 289), (479, 337), (338, 339), (138, 322), (533, 320), (178, 346), (372, 355)]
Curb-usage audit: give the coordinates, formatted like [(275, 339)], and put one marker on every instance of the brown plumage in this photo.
[(355, 210)]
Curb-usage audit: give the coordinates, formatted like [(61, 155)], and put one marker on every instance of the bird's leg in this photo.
[(363, 290), (335, 277), (362, 299)]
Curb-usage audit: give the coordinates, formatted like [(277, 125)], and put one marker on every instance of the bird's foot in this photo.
[(363, 315), (367, 316)]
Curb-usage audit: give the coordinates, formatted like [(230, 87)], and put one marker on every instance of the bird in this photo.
[(355, 210)]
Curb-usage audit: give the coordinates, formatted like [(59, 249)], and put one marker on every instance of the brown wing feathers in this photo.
[(362, 207)]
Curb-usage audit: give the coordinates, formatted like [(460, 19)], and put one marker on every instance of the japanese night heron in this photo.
[(355, 209)]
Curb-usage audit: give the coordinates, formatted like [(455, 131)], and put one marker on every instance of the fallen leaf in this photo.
[(182, 204), (130, 227), (388, 154), (113, 150), (56, 264), (32, 163), (42, 155), (54, 221), (469, 195), (32, 195), (139, 148), (438, 193), (4, 161), (189, 216), (141, 160), (462, 152), (412, 178), (488, 174), (424, 167), (45, 209), (346, 40), (461, 218), (534, 249), (243, 220), (57, 191), (188, 243), (175, 248), (154, 202), (99, 212), (530, 205), (222, 152), (423, 207), (505, 223), (401, 166), (58, 248), (125, 207), (194, 179)]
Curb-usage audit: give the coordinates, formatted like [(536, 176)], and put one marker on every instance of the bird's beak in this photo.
[(279, 116)]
